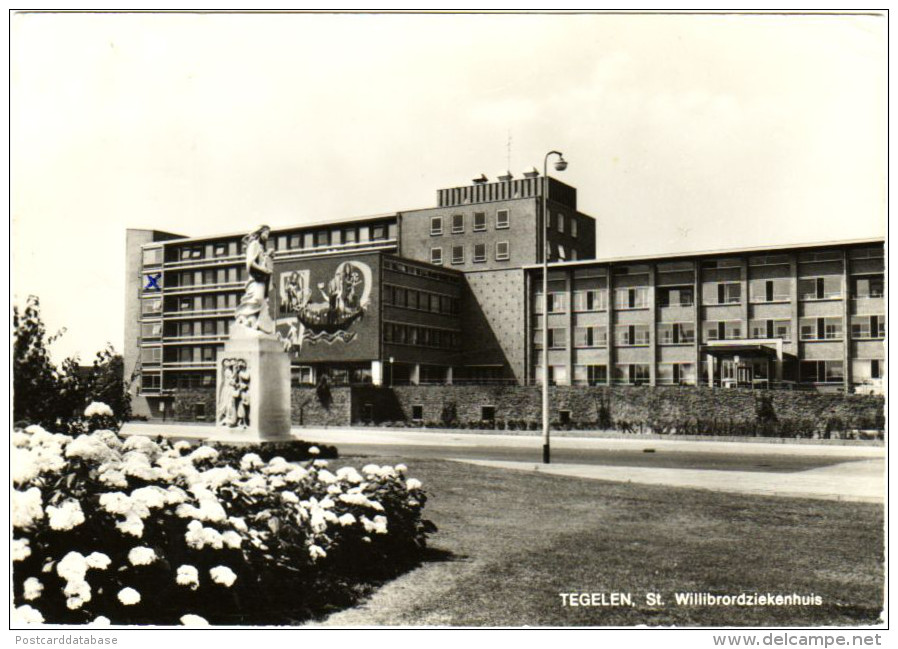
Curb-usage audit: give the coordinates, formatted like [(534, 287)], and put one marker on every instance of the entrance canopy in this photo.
[(742, 350)]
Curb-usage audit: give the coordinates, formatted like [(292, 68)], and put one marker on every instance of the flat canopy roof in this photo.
[(740, 349)]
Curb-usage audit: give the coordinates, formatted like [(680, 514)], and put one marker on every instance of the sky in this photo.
[(683, 132)]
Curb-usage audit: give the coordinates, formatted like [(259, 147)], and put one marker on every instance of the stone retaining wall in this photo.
[(624, 403), (634, 403)]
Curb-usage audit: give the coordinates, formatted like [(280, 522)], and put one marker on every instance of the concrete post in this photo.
[(377, 373)]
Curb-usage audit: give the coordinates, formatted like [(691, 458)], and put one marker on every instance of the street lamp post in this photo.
[(560, 165)]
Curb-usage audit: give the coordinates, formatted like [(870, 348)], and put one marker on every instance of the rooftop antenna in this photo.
[(508, 151)]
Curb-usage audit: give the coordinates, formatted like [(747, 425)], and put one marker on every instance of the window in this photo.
[(150, 382), (378, 232), (771, 329), (630, 335), (436, 256), (729, 293), (151, 355), (302, 375), (479, 252), (479, 221), (822, 372), (560, 223), (196, 253), (502, 251), (770, 290), (768, 260), (557, 302), (151, 330), (723, 330), (868, 286), (820, 288), (820, 328), (152, 256), (676, 374), (487, 413), (676, 333), (436, 226), (350, 235), (458, 254), (867, 253), (502, 219), (573, 227), (153, 306), (185, 329), (676, 296), (821, 255), (458, 223), (631, 298), (417, 412), (322, 238), (633, 374), (873, 326), (591, 300), (556, 337), (593, 336)]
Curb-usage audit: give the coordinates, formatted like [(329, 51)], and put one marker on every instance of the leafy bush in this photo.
[(136, 531), (292, 451), (56, 396)]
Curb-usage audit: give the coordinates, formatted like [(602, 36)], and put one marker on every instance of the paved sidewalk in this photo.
[(857, 481), (447, 438)]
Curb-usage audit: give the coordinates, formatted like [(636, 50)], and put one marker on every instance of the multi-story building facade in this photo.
[(451, 294), (799, 316), (431, 278)]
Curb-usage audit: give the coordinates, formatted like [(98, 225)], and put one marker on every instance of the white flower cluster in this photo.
[(98, 409), (72, 568), (188, 576), (141, 556), (26, 614), (65, 517), (27, 507), (36, 452), (149, 482), (223, 575), (128, 596)]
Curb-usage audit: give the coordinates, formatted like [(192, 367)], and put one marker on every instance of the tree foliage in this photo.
[(49, 395)]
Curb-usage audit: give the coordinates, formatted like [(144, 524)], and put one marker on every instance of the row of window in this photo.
[(405, 334), (208, 302), (683, 333), (344, 235), (336, 236), (502, 253), (419, 271), (457, 221), (684, 373), (761, 291), (207, 277), (409, 298)]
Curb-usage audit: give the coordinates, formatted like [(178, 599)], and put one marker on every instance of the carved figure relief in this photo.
[(233, 394)]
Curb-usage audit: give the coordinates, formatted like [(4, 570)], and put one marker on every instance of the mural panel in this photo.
[(328, 308)]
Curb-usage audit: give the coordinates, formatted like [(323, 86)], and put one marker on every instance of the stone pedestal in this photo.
[(253, 387)]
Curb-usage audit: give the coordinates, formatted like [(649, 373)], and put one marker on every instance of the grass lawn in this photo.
[(509, 542)]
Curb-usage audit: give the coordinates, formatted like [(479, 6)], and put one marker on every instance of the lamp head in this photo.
[(561, 164)]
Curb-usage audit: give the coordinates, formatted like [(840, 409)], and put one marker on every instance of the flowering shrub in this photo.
[(136, 531)]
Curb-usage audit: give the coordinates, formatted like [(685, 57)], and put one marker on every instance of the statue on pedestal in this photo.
[(252, 312), (253, 375)]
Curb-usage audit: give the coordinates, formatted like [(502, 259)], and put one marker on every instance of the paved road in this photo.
[(627, 452)]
